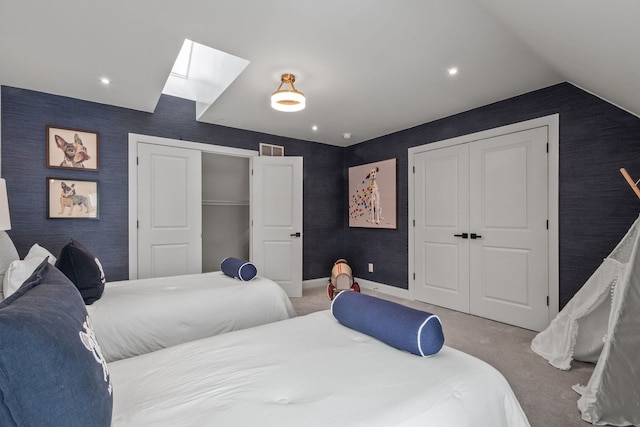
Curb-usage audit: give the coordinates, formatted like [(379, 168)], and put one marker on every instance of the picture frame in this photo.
[(72, 199), (69, 148), (373, 195)]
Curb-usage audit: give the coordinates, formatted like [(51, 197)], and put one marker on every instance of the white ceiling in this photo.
[(368, 67)]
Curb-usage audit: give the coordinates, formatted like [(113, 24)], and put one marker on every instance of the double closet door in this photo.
[(481, 237), (193, 208)]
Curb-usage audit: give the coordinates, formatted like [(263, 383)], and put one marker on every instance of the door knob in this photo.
[(295, 234), (463, 235), (475, 236)]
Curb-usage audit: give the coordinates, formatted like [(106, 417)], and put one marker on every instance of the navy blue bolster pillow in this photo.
[(238, 269), (402, 327)]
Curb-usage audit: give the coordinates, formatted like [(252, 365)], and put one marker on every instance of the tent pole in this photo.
[(634, 185)]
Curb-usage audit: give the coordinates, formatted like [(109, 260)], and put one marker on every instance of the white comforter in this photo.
[(139, 316), (308, 371)]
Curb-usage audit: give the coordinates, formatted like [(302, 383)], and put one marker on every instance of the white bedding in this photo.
[(139, 316), (308, 371)]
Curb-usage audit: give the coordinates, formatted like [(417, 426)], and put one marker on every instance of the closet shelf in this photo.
[(225, 203)]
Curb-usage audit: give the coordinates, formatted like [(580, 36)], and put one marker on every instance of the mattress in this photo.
[(308, 371), (134, 317)]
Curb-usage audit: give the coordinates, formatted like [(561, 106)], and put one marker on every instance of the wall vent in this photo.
[(271, 150)]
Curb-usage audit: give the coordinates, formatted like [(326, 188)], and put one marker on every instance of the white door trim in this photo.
[(553, 124), (133, 180)]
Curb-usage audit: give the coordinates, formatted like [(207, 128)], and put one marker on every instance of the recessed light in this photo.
[(452, 71), (346, 135), (105, 81), (314, 128)]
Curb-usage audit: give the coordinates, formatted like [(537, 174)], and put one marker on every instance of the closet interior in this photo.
[(225, 209)]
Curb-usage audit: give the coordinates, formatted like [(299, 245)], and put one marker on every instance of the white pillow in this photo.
[(19, 271), (8, 254), (41, 253)]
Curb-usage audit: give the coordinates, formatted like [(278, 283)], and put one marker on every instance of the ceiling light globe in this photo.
[(288, 101)]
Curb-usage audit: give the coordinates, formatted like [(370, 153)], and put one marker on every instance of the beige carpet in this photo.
[(544, 392)]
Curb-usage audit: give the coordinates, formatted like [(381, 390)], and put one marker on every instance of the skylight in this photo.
[(202, 73), (181, 66)]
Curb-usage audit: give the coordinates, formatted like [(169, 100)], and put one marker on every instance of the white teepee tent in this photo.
[(601, 324)]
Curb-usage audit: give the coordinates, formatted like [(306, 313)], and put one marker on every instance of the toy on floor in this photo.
[(341, 279)]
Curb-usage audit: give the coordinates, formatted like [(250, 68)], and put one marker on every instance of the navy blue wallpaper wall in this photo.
[(24, 117), (596, 204)]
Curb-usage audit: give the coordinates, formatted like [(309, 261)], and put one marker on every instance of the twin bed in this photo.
[(308, 371), (134, 317), (273, 369)]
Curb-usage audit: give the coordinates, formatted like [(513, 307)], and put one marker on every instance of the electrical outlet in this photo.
[(370, 267)]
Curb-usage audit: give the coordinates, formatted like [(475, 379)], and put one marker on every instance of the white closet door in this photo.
[(169, 211), (481, 238), (276, 205), (508, 260), (442, 212)]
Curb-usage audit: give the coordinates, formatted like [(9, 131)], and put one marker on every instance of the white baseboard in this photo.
[(315, 283), (364, 284), (382, 288)]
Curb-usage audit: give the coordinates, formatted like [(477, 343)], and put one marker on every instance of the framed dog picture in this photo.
[(372, 195), (72, 148), (72, 198)]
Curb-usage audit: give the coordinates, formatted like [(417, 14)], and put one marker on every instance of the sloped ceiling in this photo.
[(593, 44), (368, 67)]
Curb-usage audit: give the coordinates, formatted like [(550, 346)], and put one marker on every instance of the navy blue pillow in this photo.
[(52, 372), (402, 327), (83, 269), (239, 269)]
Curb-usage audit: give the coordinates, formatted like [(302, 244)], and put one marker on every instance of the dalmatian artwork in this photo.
[(372, 187)]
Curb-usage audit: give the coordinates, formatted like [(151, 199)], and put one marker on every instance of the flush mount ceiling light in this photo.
[(287, 100)]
